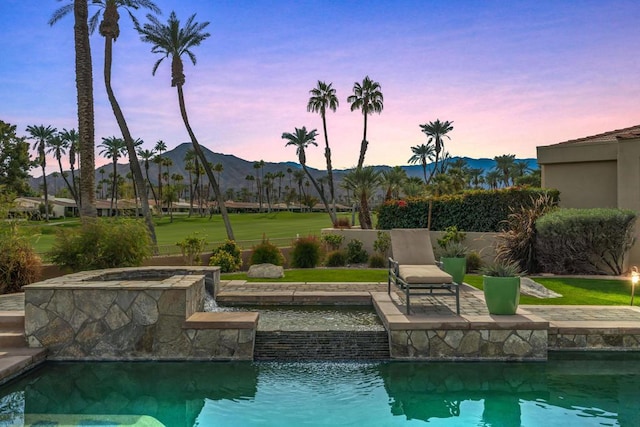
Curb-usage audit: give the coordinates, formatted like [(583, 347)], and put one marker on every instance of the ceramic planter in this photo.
[(502, 294), (456, 267)]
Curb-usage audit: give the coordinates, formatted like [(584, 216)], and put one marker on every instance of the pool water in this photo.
[(566, 391)]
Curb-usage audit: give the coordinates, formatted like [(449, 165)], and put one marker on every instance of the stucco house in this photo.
[(599, 171)]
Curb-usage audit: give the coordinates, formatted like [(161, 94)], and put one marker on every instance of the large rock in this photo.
[(265, 271), (535, 289)]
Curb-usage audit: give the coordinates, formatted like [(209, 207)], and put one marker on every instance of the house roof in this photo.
[(611, 136)]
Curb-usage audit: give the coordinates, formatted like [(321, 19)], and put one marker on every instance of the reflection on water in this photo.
[(563, 392)]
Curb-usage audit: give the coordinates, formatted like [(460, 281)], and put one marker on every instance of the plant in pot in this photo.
[(453, 257), (501, 283)]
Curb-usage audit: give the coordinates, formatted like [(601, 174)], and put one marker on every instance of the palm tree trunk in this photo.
[(327, 155), (364, 216), (138, 180), (317, 187), (44, 187), (364, 143), (84, 87), (66, 181), (153, 192), (200, 153)]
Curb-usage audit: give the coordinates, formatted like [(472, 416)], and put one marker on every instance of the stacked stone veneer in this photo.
[(128, 314), (510, 338), (595, 338)]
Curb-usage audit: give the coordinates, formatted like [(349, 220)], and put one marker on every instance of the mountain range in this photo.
[(235, 169)]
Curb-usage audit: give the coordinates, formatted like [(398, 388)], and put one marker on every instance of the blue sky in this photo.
[(511, 75)]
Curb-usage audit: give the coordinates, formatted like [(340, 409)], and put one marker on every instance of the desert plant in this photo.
[(332, 241), (102, 244), (336, 258), (226, 261), (305, 252), (451, 235), (453, 250), (355, 252), (191, 248), (377, 261), (474, 262), (516, 243), (266, 252), (502, 269), (382, 244), (19, 264)]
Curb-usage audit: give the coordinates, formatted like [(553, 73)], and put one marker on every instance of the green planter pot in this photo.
[(456, 267), (502, 294)]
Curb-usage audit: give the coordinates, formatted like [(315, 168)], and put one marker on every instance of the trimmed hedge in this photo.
[(584, 241), (474, 210)]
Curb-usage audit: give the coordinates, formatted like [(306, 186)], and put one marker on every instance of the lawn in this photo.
[(248, 228), (574, 291)]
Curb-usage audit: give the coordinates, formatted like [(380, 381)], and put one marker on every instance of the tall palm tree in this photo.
[(57, 146), (393, 180), (84, 88), (436, 131), (493, 178), (172, 40), (113, 148), (299, 175), (505, 165), (422, 153), (70, 139), (323, 97), (301, 139), (219, 168), (146, 156), (363, 183), (368, 98), (475, 176), (42, 135)]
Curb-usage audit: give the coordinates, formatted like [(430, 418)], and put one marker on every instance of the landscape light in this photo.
[(635, 277)]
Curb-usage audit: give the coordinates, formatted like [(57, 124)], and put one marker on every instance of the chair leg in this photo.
[(458, 299), (406, 293)]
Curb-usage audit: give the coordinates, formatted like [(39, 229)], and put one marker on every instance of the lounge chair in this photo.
[(413, 267)]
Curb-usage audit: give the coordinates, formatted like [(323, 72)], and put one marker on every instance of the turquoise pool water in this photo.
[(566, 391)]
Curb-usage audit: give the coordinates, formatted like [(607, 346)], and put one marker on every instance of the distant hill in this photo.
[(236, 169)]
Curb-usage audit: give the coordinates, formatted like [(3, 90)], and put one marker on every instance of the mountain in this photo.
[(236, 169)]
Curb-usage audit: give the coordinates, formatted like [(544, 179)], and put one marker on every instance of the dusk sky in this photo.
[(511, 75)]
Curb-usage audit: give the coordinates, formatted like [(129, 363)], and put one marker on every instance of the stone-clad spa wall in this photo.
[(107, 315)]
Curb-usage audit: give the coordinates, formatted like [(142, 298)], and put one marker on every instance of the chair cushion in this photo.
[(412, 246), (424, 274)]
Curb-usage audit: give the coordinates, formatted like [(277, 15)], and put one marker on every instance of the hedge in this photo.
[(473, 210)]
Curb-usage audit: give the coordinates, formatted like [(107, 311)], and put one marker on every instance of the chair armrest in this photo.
[(393, 264)]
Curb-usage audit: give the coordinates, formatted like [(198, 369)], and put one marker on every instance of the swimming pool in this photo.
[(568, 390)]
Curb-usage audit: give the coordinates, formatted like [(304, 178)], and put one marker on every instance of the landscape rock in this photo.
[(266, 271), (535, 289)]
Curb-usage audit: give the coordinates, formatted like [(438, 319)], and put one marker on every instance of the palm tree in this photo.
[(57, 147), (102, 181), (146, 156), (413, 187), (435, 131), (504, 165), (422, 153), (301, 139), (256, 166), (70, 139), (368, 98), (84, 88), (42, 135), (493, 178), (299, 175), (363, 183), (112, 148), (475, 176), (219, 168), (172, 40), (393, 180), (323, 97)]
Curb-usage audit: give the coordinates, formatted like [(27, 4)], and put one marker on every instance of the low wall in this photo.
[(130, 314)]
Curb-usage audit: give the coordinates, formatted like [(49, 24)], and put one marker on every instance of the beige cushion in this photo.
[(412, 246), (424, 274)]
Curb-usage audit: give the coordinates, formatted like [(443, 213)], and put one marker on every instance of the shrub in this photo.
[(102, 244), (305, 252), (377, 261), (516, 243), (226, 261), (473, 210), (266, 253), (336, 259), (332, 241), (228, 257), (451, 235), (19, 264), (382, 244), (191, 248), (584, 241), (342, 222), (474, 262), (502, 269), (355, 253)]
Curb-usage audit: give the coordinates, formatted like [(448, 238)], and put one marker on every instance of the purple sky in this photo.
[(511, 75)]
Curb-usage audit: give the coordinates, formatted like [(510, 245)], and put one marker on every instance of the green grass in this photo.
[(574, 291), (248, 228)]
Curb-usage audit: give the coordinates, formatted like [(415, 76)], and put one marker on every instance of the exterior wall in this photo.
[(583, 185)]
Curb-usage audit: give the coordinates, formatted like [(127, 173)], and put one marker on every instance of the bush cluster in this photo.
[(305, 252), (356, 253), (336, 258), (228, 257), (266, 253), (584, 241), (191, 248), (19, 264), (102, 244), (474, 210)]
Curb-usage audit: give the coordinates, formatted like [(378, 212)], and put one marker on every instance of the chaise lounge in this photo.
[(413, 267)]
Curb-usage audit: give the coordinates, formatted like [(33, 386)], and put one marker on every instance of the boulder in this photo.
[(535, 289), (265, 271)]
